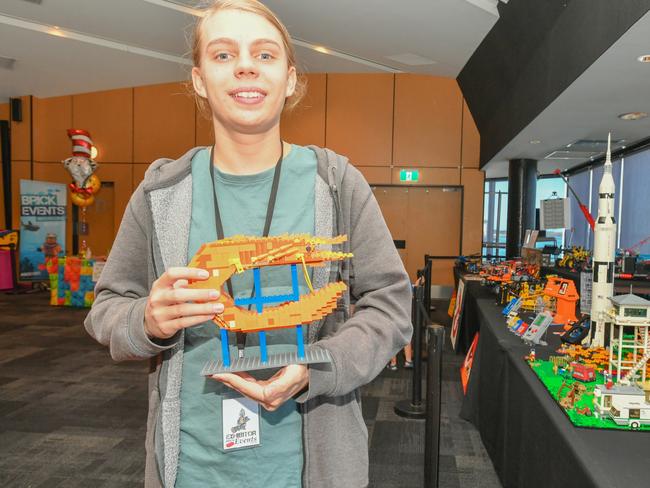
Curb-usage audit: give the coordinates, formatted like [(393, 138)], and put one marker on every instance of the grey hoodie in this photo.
[(154, 236)]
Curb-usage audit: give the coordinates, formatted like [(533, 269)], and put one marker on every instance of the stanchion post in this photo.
[(436, 340), (414, 408)]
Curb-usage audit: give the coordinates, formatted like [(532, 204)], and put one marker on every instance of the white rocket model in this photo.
[(604, 254)]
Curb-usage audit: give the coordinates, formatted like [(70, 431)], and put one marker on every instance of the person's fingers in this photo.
[(289, 381), (171, 312), (250, 389), (170, 327), (169, 277), (171, 296), (181, 283)]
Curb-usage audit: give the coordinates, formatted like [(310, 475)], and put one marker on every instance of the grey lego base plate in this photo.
[(253, 363)]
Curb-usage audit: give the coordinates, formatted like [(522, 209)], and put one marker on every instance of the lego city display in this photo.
[(606, 388), (223, 258)]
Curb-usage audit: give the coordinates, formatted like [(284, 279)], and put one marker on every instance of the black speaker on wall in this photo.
[(16, 110)]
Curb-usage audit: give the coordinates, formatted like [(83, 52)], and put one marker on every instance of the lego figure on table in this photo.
[(251, 183)]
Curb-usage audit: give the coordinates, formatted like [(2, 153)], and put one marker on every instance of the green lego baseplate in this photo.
[(544, 371)]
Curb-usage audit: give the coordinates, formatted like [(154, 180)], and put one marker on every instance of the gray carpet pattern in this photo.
[(71, 417)]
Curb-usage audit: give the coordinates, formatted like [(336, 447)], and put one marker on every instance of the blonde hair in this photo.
[(255, 7)]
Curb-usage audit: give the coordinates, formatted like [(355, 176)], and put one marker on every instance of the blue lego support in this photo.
[(294, 281), (301, 342), (263, 352), (259, 299), (259, 304), (225, 349)]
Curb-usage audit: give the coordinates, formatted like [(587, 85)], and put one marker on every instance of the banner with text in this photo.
[(42, 226)]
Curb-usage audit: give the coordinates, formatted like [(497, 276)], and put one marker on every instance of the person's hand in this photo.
[(168, 311), (271, 393)]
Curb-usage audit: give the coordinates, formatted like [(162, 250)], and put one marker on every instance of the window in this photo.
[(495, 218), (635, 413), (495, 212), (635, 198), (607, 401), (551, 188), (635, 312)]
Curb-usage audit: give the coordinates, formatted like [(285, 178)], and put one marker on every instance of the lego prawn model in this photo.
[(225, 257)]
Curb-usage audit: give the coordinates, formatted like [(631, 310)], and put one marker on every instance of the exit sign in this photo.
[(409, 175)]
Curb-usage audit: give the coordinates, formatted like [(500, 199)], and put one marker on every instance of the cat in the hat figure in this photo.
[(82, 169)]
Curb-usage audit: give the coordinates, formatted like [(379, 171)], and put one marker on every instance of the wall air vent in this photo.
[(591, 145), (7, 63), (572, 155), (197, 4)]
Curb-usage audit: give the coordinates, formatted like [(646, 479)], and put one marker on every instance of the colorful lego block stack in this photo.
[(71, 281)]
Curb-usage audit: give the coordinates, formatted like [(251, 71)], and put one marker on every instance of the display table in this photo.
[(529, 439), (470, 321)]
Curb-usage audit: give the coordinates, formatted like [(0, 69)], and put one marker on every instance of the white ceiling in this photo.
[(444, 31), (122, 43), (588, 109)]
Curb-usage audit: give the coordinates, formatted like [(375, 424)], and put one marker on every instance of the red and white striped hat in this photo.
[(81, 142)]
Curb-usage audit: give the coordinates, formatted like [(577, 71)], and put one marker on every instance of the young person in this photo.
[(312, 431)]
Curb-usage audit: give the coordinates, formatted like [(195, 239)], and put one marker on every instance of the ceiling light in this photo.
[(644, 58), (633, 116), (322, 49), (93, 152), (535, 141)]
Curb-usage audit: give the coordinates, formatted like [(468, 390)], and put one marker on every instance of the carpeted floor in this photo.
[(71, 417)]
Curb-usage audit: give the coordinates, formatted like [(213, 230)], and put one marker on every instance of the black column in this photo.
[(522, 180)]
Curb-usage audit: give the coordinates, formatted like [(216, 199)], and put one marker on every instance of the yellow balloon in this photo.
[(81, 200), (94, 183)]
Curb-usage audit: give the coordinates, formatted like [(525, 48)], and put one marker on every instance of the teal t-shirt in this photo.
[(243, 199)]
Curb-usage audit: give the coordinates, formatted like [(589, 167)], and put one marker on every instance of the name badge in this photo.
[(241, 423)]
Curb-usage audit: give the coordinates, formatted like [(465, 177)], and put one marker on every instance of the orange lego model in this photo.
[(563, 292), (225, 257)]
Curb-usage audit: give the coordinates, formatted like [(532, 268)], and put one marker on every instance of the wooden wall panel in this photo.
[(375, 175), (52, 119), (430, 176), (121, 177), (21, 137), (108, 116), (56, 173), (164, 122), (204, 130), (433, 228), (471, 155), (20, 170), (139, 170), (473, 181), (428, 114), (101, 222), (360, 117), (305, 124), (4, 111), (393, 202)]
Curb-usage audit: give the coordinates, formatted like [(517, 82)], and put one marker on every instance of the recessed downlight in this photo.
[(633, 116), (645, 58), (535, 141)]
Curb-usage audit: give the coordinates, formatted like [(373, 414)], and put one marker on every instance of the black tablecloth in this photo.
[(530, 440), (470, 321)]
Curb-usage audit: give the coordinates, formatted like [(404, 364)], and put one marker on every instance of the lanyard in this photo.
[(241, 337)]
